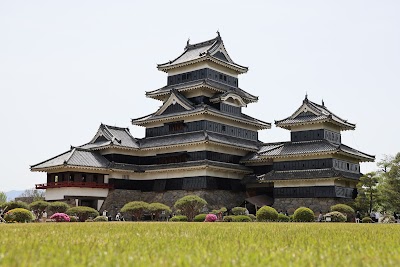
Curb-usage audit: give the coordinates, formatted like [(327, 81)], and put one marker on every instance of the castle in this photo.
[(200, 142)]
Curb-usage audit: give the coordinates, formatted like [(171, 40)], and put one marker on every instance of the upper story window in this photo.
[(176, 126)]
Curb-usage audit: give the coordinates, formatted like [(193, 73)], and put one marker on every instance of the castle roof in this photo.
[(312, 113), (211, 50), (218, 87), (112, 136), (304, 148)]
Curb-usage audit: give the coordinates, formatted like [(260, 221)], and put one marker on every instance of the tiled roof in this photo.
[(202, 51), (288, 149), (203, 82), (75, 157), (310, 112), (193, 137), (112, 135), (203, 108)]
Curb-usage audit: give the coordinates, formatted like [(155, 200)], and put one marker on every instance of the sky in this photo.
[(67, 66)]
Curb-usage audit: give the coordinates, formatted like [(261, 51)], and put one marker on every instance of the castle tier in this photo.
[(199, 141)]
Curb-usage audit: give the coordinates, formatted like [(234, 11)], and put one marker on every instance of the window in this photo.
[(71, 178), (56, 178), (83, 178), (95, 178), (176, 126), (223, 128)]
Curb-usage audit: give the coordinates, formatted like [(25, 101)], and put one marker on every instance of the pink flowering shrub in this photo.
[(211, 218), (60, 217)]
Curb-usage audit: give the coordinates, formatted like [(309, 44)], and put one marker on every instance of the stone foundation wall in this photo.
[(216, 199), (316, 204)]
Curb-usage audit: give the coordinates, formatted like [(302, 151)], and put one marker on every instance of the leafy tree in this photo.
[(36, 194), (367, 192), (157, 208), (82, 212), (190, 206), (58, 207), (135, 208), (38, 208), (3, 197), (13, 205), (390, 188)]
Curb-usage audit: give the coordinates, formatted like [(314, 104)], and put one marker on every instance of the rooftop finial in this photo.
[(218, 34), (323, 103), (187, 43), (306, 98)]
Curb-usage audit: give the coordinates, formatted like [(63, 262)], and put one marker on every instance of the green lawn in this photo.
[(199, 244)]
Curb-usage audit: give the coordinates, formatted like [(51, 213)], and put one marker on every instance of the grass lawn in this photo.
[(199, 244)]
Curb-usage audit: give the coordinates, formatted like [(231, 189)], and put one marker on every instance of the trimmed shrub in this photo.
[(228, 218), (336, 216), (367, 220), (58, 207), (18, 215), (239, 211), (135, 208), (252, 217), (179, 218), (14, 204), (241, 218), (303, 214), (82, 212), (190, 206), (211, 218), (387, 219), (291, 218), (157, 209), (346, 210), (283, 218), (101, 219), (267, 214), (60, 217), (200, 218), (38, 208)]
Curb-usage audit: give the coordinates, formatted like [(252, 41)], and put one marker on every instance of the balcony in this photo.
[(73, 184)]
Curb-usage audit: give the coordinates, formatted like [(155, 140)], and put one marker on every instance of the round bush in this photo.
[(228, 218), (211, 218), (241, 218), (283, 218), (200, 218), (367, 220), (14, 204), (252, 217), (346, 210), (239, 211), (303, 214), (18, 215), (101, 219), (60, 217), (267, 214), (179, 218), (336, 216), (58, 207), (83, 212)]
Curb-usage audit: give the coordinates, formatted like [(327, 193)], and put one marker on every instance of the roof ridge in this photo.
[(204, 43)]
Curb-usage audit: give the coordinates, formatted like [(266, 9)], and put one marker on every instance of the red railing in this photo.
[(73, 184)]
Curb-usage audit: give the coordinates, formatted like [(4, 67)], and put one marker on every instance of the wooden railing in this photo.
[(73, 184)]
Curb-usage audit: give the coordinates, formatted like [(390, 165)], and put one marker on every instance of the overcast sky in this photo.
[(67, 66)]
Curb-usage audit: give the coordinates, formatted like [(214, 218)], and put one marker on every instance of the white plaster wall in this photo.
[(59, 193)]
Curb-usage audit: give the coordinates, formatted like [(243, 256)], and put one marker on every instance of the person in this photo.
[(220, 216), (377, 216), (358, 216), (287, 213), (44, 216), (118, 216), (246, 212), (320, 216), (372, 216)]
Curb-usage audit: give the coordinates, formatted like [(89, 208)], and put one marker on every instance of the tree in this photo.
[(190, 206), (367, 192), (390, 187), (82, 212), (3, 197), (157, 208), (34, 193), (135, 208), (58, 207), (38, 208)]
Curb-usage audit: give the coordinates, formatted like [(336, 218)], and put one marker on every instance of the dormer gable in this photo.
[(176, 102)]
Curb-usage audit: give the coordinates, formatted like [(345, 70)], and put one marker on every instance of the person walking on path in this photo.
[(358, 217)]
